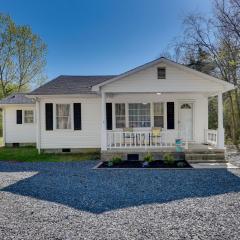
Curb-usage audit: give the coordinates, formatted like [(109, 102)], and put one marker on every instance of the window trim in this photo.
[(23, 116), (55, 116), (162, 115), (150, 115), (115, 116)]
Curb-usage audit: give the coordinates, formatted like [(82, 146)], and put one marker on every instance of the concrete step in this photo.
[(201, 156), (207, 161)]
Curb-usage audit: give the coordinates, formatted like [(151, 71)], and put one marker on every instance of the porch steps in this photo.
[(217, 156)]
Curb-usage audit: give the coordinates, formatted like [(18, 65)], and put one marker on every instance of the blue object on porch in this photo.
[(178, 143)]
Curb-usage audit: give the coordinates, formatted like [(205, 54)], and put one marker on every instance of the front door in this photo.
[(186, 121)]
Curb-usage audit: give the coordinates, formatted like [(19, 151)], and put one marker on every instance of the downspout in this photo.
[(4, 125), (38, 127)]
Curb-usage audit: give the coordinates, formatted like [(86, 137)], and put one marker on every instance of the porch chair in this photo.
[(128, 136), (155, 135)]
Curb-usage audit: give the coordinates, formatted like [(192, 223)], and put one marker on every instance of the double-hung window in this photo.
[(158, 109), (120, 115), (139, 115), (28, 116), (63, 116)]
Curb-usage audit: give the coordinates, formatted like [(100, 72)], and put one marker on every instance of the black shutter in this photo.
[(49, 116), (19, 116), (109, 115), (77, 116), (170, 115)]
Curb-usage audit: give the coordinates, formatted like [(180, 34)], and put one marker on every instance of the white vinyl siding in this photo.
[(88, 137), (19, 133)]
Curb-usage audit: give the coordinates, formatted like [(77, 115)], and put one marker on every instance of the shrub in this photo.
[(148, 158), (168, 159), (181, 164), (116, 160)]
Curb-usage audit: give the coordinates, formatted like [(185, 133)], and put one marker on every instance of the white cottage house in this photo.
[(145, 109)]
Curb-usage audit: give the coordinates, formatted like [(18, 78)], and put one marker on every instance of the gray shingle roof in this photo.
[(70, 85), (17, 98)]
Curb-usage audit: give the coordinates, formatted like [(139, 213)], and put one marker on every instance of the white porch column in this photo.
[(103, 128), (220, 142)]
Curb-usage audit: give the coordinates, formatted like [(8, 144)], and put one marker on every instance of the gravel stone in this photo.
[(73, 201)]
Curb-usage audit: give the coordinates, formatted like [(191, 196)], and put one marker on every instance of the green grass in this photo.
[(30, 154)]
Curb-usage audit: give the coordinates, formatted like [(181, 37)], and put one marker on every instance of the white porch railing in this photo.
[(211, 136), (144, 139)]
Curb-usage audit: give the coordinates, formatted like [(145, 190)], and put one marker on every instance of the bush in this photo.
[(181, 164), (168, 159), (148, 158), (116, 160)]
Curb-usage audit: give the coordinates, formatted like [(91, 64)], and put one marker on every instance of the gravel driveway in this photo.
[(74, 201)]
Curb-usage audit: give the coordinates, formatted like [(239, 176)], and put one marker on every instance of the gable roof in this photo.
[(71, 85), (228, 86), (17, 98)]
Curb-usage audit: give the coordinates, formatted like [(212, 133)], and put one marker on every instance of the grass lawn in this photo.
[(30, 154)]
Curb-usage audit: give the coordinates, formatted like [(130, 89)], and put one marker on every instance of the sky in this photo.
[(97, 37)]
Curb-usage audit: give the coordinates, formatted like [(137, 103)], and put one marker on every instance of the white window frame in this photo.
[(150, 120), (115, 116), (23, 116), (55, 116), (161, 115)]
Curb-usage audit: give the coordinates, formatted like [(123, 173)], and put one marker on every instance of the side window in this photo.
[(63, 116), (120, 115), (158, 114), (28, 116)]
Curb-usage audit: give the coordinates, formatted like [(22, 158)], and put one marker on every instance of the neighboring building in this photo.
[(19, 125), (115, 113)]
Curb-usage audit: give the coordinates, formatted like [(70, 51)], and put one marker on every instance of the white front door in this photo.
[(186, 120)]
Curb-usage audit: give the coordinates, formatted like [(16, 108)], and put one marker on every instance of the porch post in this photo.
[(103, 127), (220, 140)]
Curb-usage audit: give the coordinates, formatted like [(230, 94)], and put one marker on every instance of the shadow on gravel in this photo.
[(78, 186)]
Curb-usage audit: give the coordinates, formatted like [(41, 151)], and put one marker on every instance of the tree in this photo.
[(212, 45), (22, 57)]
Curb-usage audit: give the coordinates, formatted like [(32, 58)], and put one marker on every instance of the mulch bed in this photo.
[(139, 164)]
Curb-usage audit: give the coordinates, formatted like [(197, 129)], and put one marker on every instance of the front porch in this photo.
[(130, 120)]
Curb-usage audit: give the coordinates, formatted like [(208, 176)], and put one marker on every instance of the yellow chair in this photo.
[(155, 134)]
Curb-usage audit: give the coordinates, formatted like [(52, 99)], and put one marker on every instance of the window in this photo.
[(120, 115), (28, 116), (63, 116), (185, 106), (161, 73), (139, 115), (158, 109)]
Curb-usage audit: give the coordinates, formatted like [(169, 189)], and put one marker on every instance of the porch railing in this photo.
[(211, 136), (141, 139)]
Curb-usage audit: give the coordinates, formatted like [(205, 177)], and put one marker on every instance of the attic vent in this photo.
[(161, 73)]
